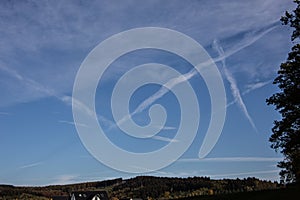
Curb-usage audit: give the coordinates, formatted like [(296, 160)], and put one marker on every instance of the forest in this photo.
[(145, 187)]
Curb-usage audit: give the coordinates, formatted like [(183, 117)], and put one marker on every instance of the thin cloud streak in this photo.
[(78, 105), (248, 39), (251, 88), (160, 93), (219, 176), (49, 92), (68, 100), (108, 123), (150, 171), (166, 127), (256, 86), (4, 113), (232, 159), (31, 165), (65, 179), (233, 85), (164, 139), (244, 173), (72, 123), (29, 82)]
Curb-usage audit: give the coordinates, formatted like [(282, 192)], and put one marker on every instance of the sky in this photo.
[(43, 44)]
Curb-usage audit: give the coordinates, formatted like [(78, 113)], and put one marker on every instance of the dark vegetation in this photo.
[(286, 131), (146, 187), (289, 193)]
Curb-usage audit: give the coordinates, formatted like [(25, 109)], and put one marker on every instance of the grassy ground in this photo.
[(279, 194)]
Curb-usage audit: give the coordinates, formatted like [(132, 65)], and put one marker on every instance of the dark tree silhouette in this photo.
[(286, 135)]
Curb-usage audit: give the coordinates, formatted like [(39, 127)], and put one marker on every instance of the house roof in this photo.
[(89, 195), (84, 195)]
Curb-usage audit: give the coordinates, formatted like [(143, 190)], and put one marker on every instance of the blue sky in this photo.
[(43, 43)]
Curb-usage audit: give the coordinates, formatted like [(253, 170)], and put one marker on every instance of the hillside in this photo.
[(289, 193), (145, 187)]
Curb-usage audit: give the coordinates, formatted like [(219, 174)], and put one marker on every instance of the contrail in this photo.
[(254, 86), (165, 89), (233, 85), (50, 92), (27, 81), (247, 39), (31, 165), (160, 93)]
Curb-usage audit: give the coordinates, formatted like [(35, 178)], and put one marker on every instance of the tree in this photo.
[(285, 132)]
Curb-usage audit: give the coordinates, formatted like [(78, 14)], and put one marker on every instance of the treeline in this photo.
[(144, 187), (13, 192), (148, 187)]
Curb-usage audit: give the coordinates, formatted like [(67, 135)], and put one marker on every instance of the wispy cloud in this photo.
[(247, 39), (255, 86), (164, 89), (68, 100), (5, 113), (65, 33), (164, 139), (232, 159), (150, 171), (77, 105), (178, 173), (35, 89), (233, 85), (27, 81), (71, 123), (30, 89), (250, 88), (106, 122), (252, 173), (166, 127), (31, 165), (45, 91), (110, 125), (65, 179)]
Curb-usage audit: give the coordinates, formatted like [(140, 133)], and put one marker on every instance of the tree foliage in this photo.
[(145, 187), (286, 135)]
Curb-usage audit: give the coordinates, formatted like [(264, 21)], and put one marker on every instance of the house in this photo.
[(89, 195), (84, 195)]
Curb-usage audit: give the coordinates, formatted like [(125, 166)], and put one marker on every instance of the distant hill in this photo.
[(290, 193), (145, 187)]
